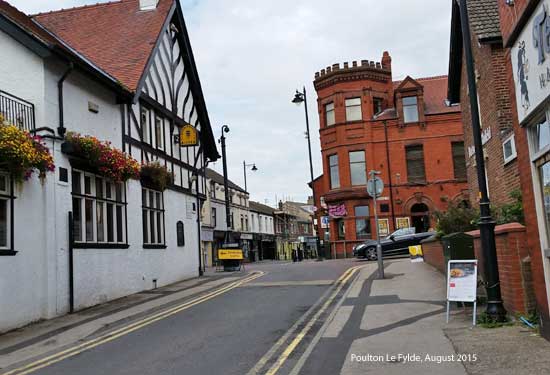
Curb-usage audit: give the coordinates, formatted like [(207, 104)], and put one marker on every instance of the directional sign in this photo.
[(230, 254)]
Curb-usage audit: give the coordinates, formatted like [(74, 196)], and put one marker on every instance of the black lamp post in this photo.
[(495, 308), (225, 129), (253, 169), (300, 97)]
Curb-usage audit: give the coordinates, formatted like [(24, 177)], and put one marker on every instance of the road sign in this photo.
[(324, 221), (230, 254), (375, 185)]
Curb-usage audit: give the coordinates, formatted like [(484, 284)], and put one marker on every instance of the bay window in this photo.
[(329, 114), (99, 210)]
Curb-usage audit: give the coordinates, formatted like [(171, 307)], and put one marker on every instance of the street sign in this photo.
[(375, 186), (230, 254), (324, 221)]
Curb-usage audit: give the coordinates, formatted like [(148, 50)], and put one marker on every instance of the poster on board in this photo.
[(383, 227), (416, 253), (462, 280), (402, 222)]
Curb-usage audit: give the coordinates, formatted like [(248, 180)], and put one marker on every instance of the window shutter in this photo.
[(415, 164)]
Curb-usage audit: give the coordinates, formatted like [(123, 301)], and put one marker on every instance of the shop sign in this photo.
[(246, 236), (403, 222), (188, 136), (337, 210), (230, 254), (531, 62)]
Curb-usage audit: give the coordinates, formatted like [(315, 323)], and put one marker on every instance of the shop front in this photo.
[(530, 57)]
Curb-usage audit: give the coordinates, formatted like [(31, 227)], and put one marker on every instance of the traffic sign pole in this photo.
[(375, 188)]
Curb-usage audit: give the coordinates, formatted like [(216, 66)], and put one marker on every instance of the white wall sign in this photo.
[(531, 62)]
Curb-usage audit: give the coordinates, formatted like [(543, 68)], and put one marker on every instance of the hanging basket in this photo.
[(156, 176), (89, 153)]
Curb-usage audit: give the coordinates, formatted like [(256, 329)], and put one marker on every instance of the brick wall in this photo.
[(514, 267), (433, 254), (495, 114)]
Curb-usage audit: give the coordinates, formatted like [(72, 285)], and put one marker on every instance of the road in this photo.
[(227, 334), (326, 318)]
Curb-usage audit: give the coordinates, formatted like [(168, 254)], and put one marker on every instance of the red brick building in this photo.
[(528, 75), (493, 99), (405, 130)]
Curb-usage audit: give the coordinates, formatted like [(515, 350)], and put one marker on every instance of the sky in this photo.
[(253, 54)]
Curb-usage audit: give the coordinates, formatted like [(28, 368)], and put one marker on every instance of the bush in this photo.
[(510, 212), (459, 217)]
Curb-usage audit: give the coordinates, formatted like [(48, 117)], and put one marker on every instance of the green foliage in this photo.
[(486, 321), (459, 217), (510, 212)]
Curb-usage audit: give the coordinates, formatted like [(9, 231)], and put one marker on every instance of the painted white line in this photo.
[(338, 322)]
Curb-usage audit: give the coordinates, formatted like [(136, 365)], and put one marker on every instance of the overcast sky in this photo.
[(252, 55)]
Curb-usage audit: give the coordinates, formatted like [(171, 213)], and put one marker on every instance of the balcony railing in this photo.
[(17, 111)]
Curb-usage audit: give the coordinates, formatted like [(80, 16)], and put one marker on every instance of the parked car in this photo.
[(396, 243)]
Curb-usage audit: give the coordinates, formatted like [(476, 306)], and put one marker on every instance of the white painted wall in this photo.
[(34, 284)]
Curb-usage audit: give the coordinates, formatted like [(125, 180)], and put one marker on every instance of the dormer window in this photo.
[(353, 109), (410, 109), (329, 114)]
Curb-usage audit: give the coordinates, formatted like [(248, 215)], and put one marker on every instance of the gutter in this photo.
[(61, 130)]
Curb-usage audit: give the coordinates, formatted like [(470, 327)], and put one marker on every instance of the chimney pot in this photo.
[(354, 64), (365, 62), (346, 65), (335, 66), (148, 4)]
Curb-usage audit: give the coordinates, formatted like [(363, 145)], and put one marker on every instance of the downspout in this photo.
[(389, 175), (61, 128)]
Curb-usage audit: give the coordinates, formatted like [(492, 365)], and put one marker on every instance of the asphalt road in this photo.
[(263, 325)]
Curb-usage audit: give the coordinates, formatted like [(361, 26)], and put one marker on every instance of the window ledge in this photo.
[(158, 247), (8, 253), (84, 245)]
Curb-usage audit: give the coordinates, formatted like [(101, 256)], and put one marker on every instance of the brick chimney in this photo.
[(386, 61), (148, 4)]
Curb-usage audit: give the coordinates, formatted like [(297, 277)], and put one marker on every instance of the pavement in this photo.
[(331, 317)]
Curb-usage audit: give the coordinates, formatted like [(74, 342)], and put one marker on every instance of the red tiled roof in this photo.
[(435, 94), (25, 22), (117, 37)]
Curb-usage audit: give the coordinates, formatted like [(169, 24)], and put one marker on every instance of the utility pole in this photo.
[(495, 308)]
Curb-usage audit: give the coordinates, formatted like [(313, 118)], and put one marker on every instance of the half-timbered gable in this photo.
[(149, 53)]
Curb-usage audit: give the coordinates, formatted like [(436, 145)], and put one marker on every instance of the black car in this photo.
[(396, 243)]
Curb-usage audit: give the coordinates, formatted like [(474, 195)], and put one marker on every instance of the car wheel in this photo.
[(370, 254)]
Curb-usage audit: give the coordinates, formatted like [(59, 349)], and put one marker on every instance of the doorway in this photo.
[(420, 217)]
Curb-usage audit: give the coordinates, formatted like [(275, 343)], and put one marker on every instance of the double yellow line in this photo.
[(60, 356), (342, 280)]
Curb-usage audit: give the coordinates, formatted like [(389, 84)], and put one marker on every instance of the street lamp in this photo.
[(495, 307), (300, 97), (225, 129), (253, 169)]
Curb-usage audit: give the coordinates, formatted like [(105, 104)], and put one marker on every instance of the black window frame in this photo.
[(113, 195), (7, 195), (152, 228)]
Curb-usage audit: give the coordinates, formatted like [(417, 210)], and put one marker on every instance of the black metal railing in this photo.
[(17, 111)]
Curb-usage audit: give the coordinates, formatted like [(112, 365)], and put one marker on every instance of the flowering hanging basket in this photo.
[(22, 154), (101, 157), (156, 176)]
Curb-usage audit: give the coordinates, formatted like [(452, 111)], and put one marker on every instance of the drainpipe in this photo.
[(389, 175), (61, 129)]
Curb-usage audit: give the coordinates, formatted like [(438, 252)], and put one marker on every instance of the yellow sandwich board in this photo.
[(230, 254)]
